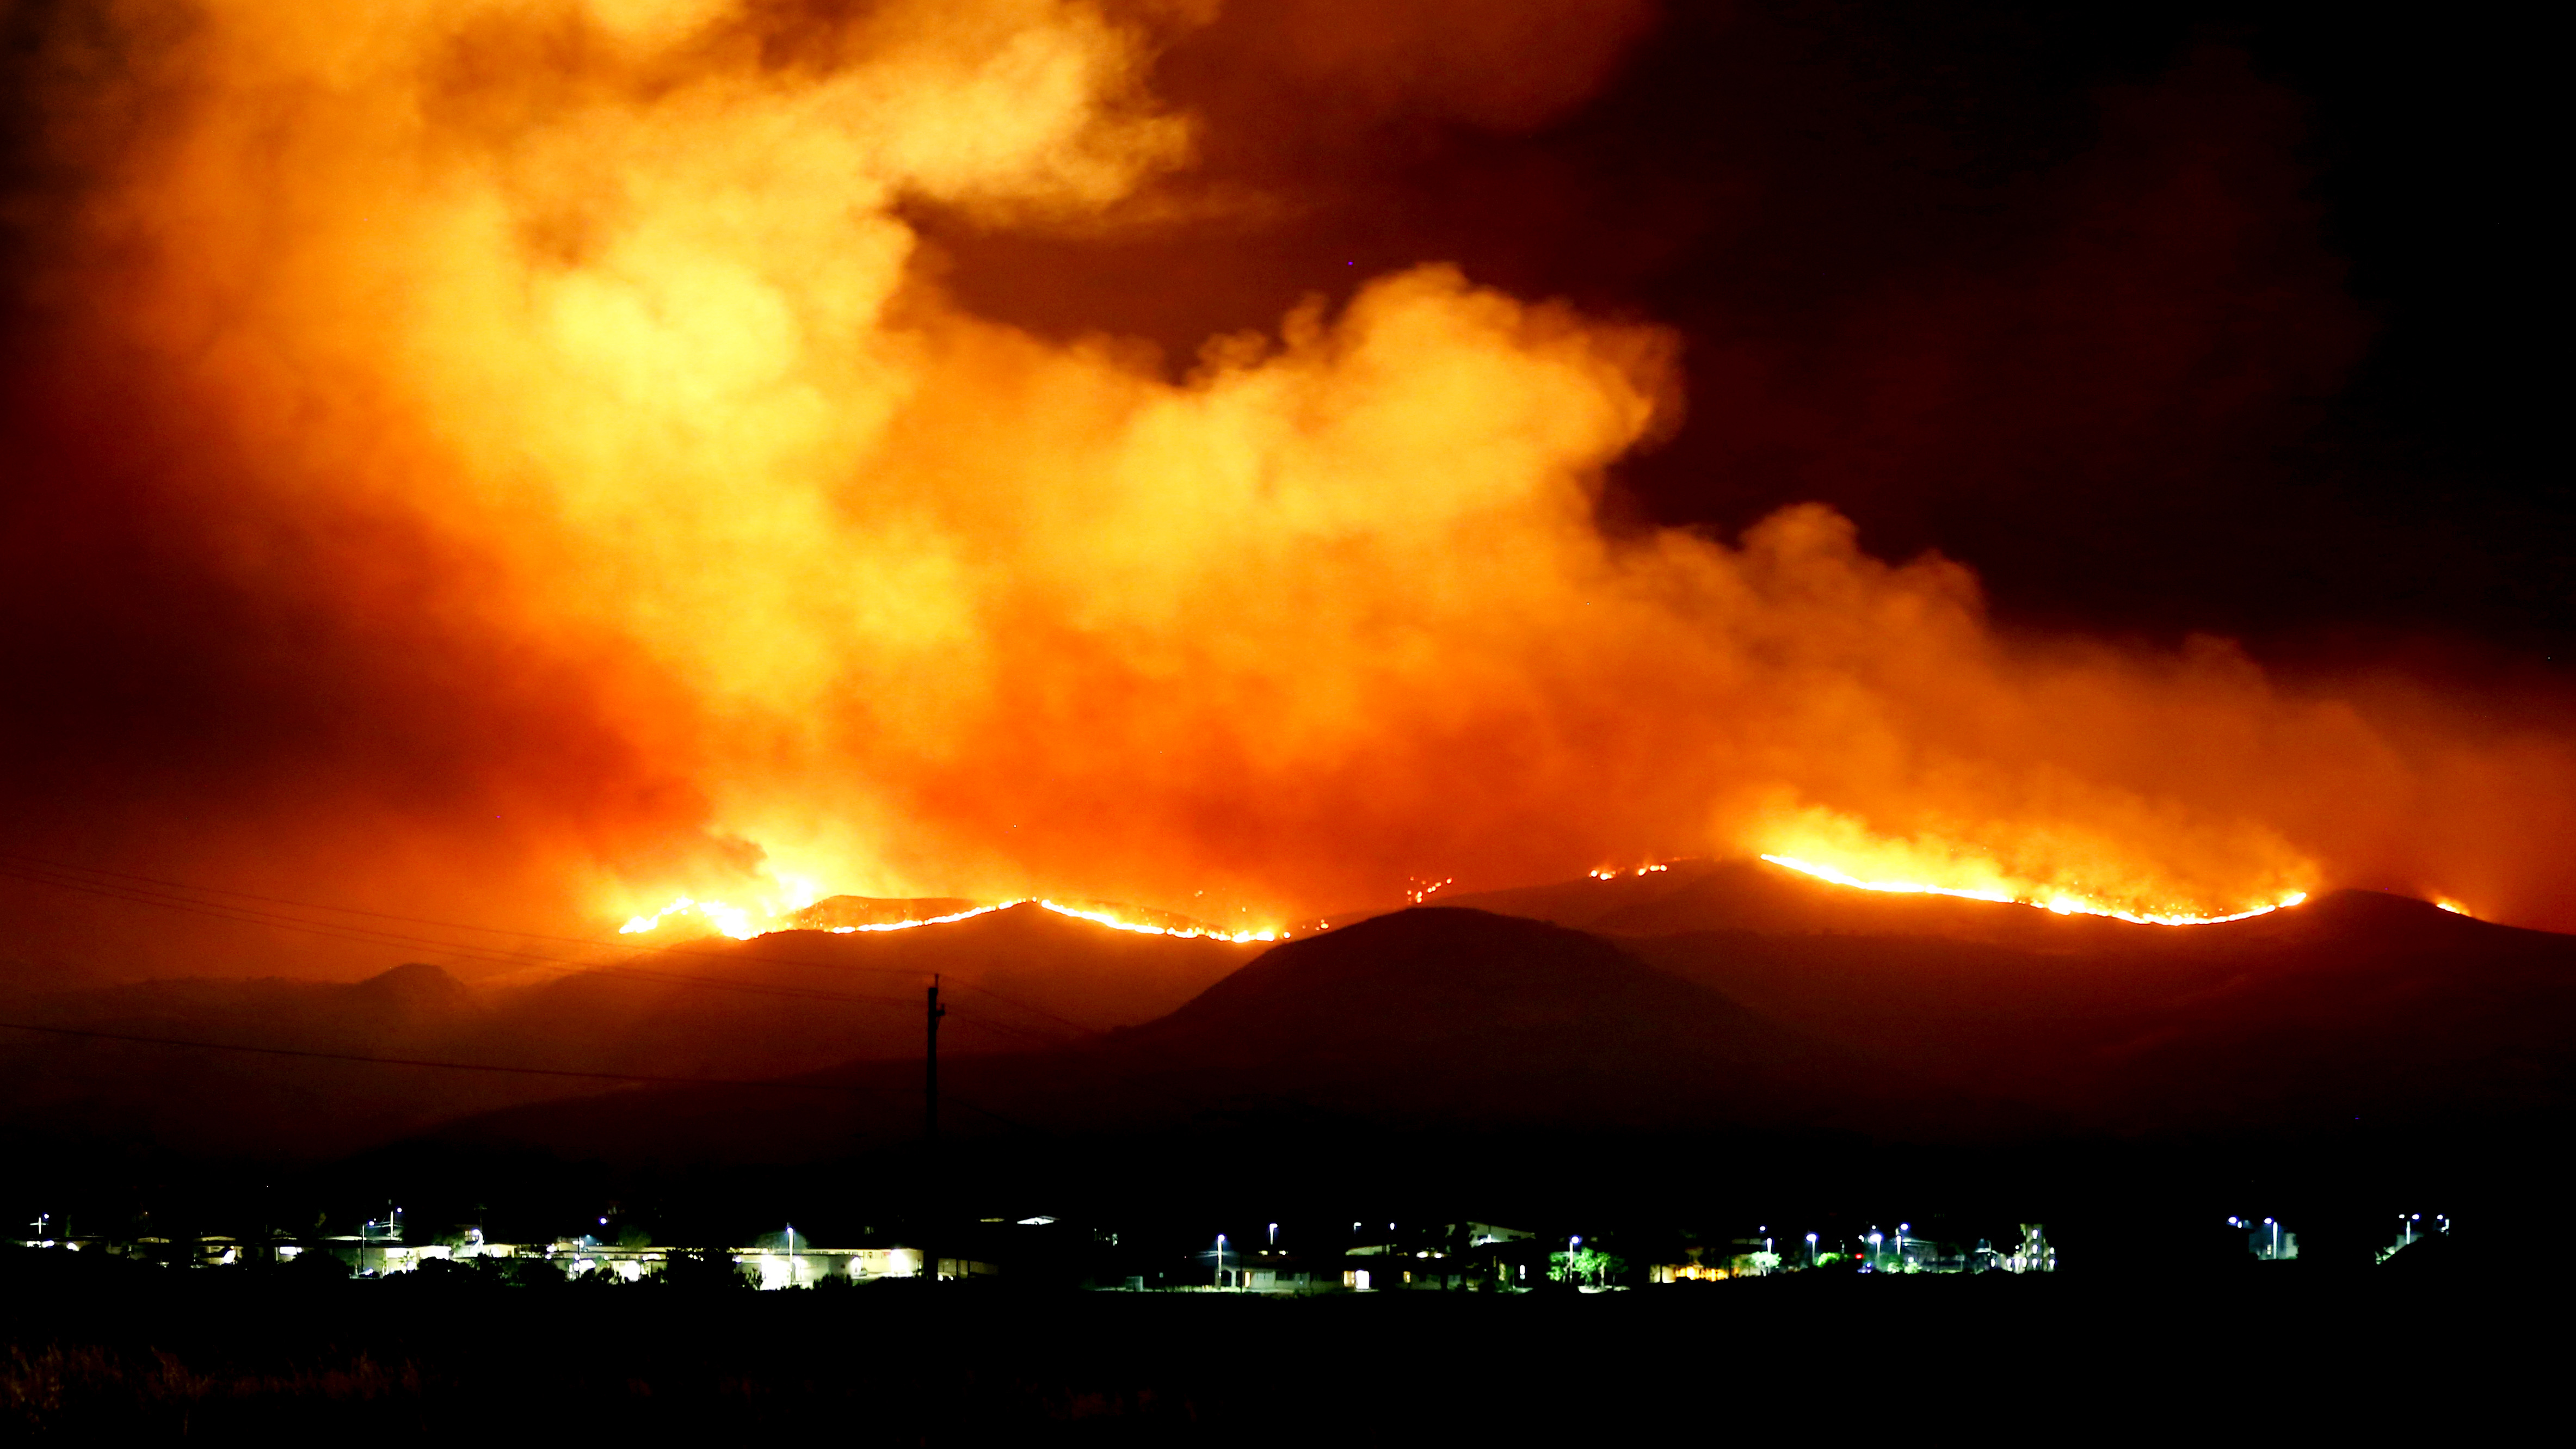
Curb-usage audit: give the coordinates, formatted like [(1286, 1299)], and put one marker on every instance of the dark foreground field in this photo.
[(145, 1352)]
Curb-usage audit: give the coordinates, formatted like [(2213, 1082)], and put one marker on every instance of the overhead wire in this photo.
[(158, 892), (786, 1083), (153, 891)]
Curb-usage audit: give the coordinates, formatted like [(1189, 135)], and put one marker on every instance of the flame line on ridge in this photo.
[(734, 921), (2056, 905)]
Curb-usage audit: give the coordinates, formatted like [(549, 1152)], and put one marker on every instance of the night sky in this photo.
[(2163, 317)]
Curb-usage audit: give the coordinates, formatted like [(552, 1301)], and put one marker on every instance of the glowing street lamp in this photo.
[(1811, 1250), (365, 1231)]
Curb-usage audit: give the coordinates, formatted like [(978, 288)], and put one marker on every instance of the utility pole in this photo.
[(930, 1083), (930, 1134)]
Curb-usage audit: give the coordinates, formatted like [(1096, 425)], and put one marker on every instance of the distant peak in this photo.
[(415, 984)]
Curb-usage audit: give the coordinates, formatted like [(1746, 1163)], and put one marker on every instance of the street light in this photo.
[(1811, 1250)]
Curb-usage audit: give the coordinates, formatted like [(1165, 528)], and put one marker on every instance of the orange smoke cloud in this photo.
[(615, 307)]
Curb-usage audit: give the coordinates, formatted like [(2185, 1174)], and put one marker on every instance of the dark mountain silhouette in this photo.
[(1464, 1016), (414, 990), (100, 1088), (778, 1005), (2356, 1006), (1408, 1035), (1013, 979), (1074, 1049), (1441, 1021)]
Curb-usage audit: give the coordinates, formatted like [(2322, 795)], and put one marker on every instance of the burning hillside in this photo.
[(846, 915), (568, 391), (2062, 902)]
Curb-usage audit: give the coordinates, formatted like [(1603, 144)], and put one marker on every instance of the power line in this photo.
[(132, 888), (55, 865), (221, 1046), (151, 890), (154, 891), (371, 936), (378, 938), (784, 1083)]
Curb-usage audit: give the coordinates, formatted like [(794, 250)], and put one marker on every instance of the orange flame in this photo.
[(728, 920), (736, 922), (2064, 903), (1117, 923)]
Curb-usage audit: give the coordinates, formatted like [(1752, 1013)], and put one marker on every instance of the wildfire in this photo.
[(735, 921), (1641, 870), (728, 920), (2062, 903), (1190, 932), (2454, 907), (925, 921), (757, 541)]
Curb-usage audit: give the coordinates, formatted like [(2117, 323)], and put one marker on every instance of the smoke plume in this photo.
[(546, 410)]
